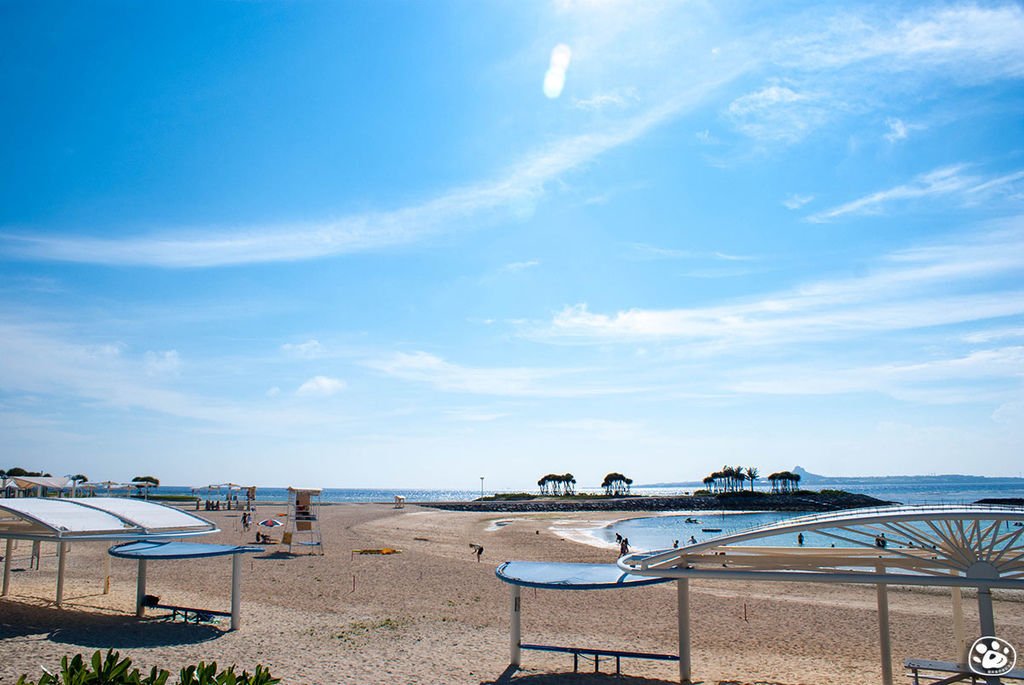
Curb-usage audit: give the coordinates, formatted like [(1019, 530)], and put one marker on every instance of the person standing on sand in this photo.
[(478, 550), (624, 547)]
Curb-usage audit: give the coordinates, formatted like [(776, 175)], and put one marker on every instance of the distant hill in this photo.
[(808, 478)]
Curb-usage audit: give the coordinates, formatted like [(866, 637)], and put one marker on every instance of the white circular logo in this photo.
[(992, 656)]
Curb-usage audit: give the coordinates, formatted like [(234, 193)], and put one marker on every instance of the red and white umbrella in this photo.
[(270, 523)]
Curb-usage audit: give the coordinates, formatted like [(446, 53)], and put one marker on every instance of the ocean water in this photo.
[(908, 490)]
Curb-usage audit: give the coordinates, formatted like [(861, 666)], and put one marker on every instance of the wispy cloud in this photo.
[(945, 181), (220, 246), (424, 367), (515, 267), (617, 98), (940, 380), (321, 386), (654, 252), (777, 113), (311, 349), (796, 201), (908, 289)]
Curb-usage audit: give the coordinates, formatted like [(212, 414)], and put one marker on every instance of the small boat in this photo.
[(711, 530)]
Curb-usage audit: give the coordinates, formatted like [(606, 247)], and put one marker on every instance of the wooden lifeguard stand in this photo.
[(303, 526)]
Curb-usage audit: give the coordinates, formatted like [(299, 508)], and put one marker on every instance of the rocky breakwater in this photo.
[(803, 500)]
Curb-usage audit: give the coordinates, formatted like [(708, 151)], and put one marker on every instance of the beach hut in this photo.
[(954, 546)]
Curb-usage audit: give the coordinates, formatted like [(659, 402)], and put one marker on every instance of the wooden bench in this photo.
[(596, 654), (961, 672)]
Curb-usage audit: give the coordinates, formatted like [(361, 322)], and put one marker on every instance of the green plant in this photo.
[(112, 670)]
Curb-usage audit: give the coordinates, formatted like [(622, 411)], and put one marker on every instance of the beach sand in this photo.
[(433, 614)]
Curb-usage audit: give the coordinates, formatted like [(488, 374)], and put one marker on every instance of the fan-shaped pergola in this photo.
[(952, 546)]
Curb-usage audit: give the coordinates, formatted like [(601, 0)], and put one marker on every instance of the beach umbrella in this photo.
[(270, 523)]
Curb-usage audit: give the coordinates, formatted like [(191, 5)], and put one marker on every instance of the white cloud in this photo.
[(424, 367), (974, 43), (162, 363), (320, 386), (796, 201), (655, 252), (617, 99), (945, 181), (273, 391), (311, 349), (514, 267), (777, 113), (915, 288)]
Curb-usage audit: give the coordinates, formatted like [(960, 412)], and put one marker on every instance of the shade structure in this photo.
[(95, 518), (164, 549), (546, 575), (62, 521), (955, 546), (570, 576), (152, 550)]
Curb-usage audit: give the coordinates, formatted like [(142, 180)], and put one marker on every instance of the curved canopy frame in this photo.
[(947, 545), (953, 546)]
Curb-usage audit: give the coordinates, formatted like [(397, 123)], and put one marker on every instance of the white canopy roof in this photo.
[(57, 483), (95, 518)]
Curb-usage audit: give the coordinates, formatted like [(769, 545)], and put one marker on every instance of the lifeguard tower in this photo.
[(303, 526)]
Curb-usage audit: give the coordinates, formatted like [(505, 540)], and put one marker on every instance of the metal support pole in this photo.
[(884, 639), (62, 550), (959, 634), (8, 552), (988, 621), (683, 599), (236, 591), (515, 629), (36, 554), (140, 590)]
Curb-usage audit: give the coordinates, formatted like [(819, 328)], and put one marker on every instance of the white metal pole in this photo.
[(683, 597), (236, 591), (515, 629), (959, 634), (62, 549), (884, 639), (140, 590), (8, 551)]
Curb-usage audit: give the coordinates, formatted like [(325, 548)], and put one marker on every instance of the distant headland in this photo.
[(806, 478)]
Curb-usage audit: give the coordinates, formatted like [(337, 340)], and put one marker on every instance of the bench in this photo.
[(961, 672), (198, 615), (596, 654)]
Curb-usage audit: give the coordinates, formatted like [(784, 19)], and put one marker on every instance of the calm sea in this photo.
[(905, 490)]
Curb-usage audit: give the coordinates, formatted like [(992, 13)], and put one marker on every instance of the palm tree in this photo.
[(752, 475)]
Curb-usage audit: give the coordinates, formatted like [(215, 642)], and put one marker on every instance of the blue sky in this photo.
[(411, 244)]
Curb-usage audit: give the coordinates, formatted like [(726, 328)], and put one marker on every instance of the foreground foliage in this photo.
[(113, 670)]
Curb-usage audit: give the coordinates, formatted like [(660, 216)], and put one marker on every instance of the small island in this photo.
[(724, 491)]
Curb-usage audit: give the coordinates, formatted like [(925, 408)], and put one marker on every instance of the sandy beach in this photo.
[(434, 614)]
